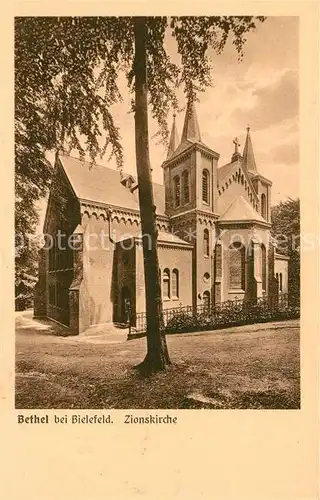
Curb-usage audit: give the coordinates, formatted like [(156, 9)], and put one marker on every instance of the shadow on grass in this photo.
[(44, 327)]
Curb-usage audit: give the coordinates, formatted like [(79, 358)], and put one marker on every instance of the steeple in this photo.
[(174, 139), (191, 130), (249, 161)]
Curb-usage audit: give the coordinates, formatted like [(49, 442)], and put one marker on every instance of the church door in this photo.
[(125, 304)]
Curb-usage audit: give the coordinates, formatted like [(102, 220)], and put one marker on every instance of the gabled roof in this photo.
[(241, 210), (225, 171), (100, 184)]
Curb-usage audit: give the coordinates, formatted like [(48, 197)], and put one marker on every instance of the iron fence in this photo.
[(226, 313)]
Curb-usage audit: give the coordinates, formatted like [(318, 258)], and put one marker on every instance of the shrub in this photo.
[(231, 313)]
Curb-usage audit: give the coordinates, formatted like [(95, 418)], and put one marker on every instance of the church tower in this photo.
[(261, 185), (190, 178)]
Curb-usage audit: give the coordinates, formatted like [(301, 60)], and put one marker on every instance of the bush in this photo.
[(229, 314)]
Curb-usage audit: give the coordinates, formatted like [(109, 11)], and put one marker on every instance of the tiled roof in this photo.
[(225, 171), (102, 185), (240, 209)]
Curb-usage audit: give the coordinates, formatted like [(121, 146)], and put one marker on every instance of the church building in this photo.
[(213, 242)]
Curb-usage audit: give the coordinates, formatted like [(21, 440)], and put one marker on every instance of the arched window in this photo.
[(263, 206), (205, 186), (236, 266), (206, 299), (166, 284), (176, 186), (264, 267), (175, 284), (206, 245), (185, 187)]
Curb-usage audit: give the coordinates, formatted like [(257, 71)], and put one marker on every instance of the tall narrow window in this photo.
[(205, 186), (176, 183), (236, 266), (185, 187), (280, 282), (166, 284), (175, 284), (263, 206), (264, 267), (206, 244)]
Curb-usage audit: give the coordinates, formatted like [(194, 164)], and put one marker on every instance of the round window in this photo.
[(206, 277)]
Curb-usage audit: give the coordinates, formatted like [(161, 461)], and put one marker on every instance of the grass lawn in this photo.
[(243, 367)]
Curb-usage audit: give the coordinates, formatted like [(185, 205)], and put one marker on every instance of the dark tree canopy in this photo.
[(285, 220), (66, 81), (66, 72)]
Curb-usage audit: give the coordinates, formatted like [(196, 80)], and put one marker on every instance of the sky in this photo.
[(262, 90)]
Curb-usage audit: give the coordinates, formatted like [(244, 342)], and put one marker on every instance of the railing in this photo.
[(226, 313)]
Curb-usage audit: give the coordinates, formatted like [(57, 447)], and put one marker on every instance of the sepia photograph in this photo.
[(157, 213)]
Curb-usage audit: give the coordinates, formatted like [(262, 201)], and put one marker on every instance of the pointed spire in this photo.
[(191, 130), (249, 161), (174, 138)]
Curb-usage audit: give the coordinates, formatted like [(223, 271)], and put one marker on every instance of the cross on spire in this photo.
[(236, 145), (236, 154)]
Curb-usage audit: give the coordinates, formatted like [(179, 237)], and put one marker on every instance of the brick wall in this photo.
[(172, 258)]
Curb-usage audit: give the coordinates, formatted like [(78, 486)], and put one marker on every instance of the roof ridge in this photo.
[(104, 166), (103, 185)]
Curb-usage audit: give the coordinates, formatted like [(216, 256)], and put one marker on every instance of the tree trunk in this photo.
[(157, 357)]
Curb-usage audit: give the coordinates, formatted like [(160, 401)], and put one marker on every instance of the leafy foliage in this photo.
[(285, 220), (26, 270), (66, 82)]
